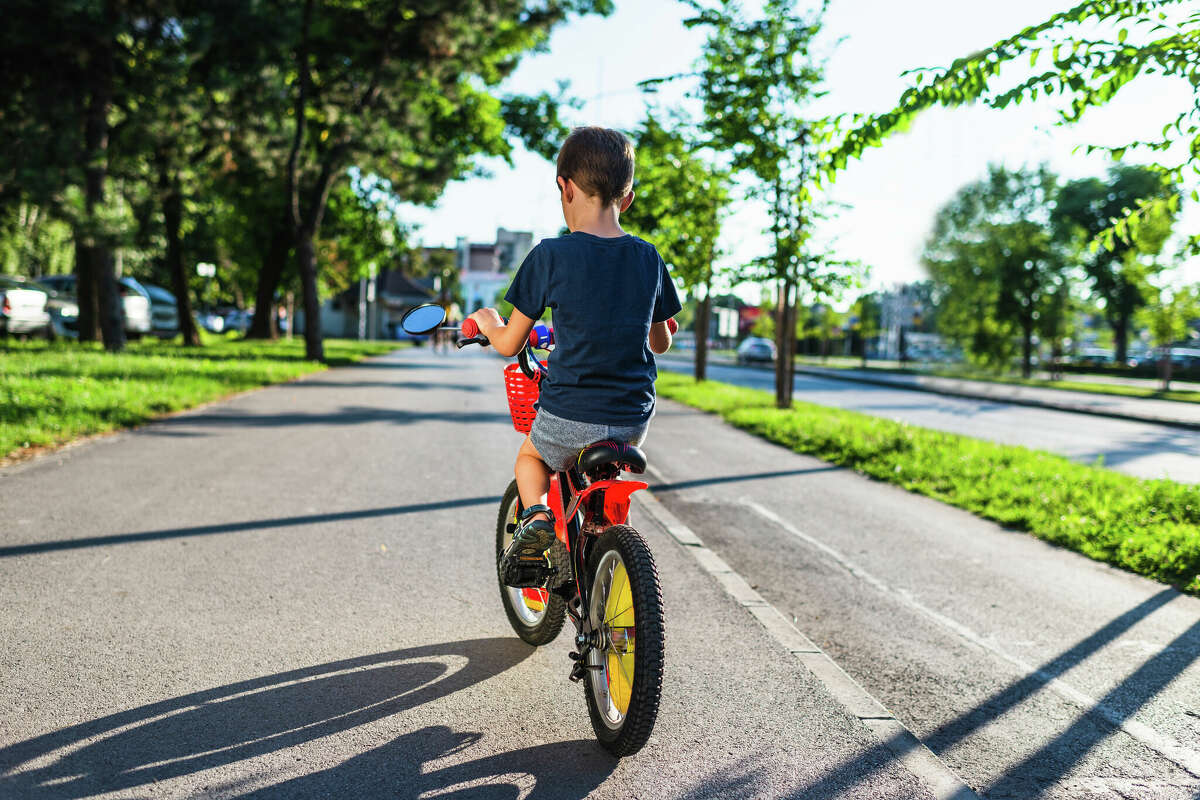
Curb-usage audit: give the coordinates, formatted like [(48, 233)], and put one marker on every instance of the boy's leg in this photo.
[(533, 477)]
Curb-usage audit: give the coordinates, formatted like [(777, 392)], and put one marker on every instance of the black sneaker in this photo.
[(526, 564)]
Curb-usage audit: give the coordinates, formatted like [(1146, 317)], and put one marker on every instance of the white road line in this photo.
[(1162, 744), (891, 732)]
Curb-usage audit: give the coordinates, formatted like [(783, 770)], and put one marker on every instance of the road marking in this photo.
[(1162, 744), (907, 749)]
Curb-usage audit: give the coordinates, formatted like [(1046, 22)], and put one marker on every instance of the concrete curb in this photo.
[(892, 734)]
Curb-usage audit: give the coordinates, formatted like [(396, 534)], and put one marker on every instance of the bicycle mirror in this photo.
[(423, 319)]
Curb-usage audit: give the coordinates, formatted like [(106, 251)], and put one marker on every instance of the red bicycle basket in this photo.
[(522, 394)]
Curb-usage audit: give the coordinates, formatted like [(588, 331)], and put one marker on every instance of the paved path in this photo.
[(1143, 449), (292, 594)]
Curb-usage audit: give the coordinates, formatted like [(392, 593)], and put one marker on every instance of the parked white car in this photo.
[(164, 312), (23, 308), (134, 300)]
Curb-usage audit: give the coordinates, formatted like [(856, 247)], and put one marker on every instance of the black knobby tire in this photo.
[(534, 628), (627, 736)]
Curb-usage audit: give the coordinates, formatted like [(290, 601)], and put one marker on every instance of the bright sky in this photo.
[(893, 192)]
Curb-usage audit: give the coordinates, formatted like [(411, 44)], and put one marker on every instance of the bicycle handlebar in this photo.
[(469, 334)]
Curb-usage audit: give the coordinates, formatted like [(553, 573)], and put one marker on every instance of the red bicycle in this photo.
[(610, 588)]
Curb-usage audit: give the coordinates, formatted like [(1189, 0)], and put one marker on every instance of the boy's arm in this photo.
[(507, 339), (660, 336)]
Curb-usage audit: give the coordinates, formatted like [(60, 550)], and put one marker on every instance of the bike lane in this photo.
[(292, 593), (1030, 671)]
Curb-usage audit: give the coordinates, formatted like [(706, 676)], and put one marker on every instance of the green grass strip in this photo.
[(1148, 527), (53, 393)]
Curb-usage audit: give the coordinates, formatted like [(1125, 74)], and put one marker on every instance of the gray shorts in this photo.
[(558, 441)]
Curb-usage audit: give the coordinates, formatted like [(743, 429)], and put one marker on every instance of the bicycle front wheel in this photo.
[(625, 667), (537, 615)]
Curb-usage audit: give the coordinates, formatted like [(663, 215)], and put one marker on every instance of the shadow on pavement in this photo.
[(400, 769), (1147, 444), (417, 385), (244, 720), (669, 487), (1037, 773), (347, 415), (240, 527)]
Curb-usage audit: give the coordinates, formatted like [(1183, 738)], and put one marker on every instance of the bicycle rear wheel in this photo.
[(625, 668), (536, 615)]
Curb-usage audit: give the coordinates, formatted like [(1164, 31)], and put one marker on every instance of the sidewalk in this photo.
[(1138, 409)]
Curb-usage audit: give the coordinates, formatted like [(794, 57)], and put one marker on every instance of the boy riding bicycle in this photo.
[(611, 298)]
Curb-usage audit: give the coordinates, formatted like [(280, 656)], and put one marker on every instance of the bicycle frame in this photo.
[(583, 510)]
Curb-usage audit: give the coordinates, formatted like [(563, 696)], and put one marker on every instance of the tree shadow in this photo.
[(1058, 757), (244, 720), (676, 485), (1149, 443), (240, 527), (347, 415)]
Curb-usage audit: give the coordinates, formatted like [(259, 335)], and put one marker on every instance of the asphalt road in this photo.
[(1136, 448), (292, 594)]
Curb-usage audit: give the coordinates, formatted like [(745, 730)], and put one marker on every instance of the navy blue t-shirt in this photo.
[(603, 294)]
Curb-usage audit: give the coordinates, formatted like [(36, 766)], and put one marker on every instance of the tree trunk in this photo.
[(1120, 328), (172, 221), (263, 326), (306, 260), (1027, 349), (1164, 367), (789, 357), (785, 346), (85, 291), (703, 311), (95, 164), (780, 342)]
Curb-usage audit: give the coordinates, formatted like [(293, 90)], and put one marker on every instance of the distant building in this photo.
[(394, 294), (485, 269)]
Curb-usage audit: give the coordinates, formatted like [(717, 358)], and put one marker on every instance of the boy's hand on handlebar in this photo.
[(488, 320)]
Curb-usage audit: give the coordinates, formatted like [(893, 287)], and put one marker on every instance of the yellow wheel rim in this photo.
[(620, 627)]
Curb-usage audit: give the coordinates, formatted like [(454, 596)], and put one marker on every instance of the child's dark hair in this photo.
[(600, 161)]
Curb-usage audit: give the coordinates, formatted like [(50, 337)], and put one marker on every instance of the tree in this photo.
[(1119, 268), (1168, 316), (1145, 37), (869, 321), (679, 205), (402, 93), (992, 254), (757, 81), (67, 69)]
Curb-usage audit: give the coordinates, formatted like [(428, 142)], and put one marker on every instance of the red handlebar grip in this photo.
[(672, 325), (469, 328)]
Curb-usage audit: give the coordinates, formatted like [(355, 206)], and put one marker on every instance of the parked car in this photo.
[(1095, 357), (134, 300), (164, 313), (238, 320), (757, 349), (23, 308)]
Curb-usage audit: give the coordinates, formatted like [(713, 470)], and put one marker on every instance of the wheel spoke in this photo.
[(619, 613)]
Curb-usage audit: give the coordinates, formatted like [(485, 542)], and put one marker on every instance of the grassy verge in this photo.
[(1148, 527), (52, 393)]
